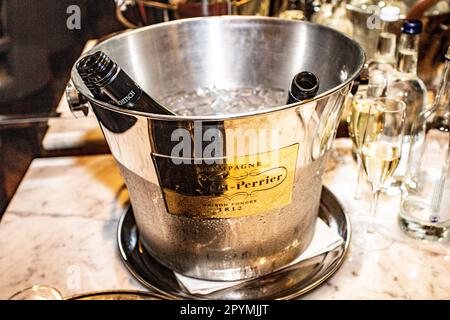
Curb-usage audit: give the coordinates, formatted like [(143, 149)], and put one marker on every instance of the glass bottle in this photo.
[(405, 85), (304, 86), (384, 58), (425, 207), (104, 77)]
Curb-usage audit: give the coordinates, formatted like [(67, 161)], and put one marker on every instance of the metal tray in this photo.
[(287, 283), (118, 295)]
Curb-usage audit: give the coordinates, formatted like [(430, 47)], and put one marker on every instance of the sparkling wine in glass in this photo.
[(358, 117), (380, 132), (380, 159)]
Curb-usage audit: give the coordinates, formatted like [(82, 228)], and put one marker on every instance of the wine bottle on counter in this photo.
[(103, 77), (407, 86), (304, 86), (425, 205), (384, 58)]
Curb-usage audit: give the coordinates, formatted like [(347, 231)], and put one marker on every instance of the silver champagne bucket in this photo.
[(254, 210)]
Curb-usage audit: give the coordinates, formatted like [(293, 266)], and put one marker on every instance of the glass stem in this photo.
[(373, 210), (358, 190)]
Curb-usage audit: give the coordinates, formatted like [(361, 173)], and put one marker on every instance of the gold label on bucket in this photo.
[(240, 187)]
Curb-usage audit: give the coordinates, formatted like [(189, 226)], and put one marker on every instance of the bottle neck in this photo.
[(408, 53), (304, 86), (107, 81)]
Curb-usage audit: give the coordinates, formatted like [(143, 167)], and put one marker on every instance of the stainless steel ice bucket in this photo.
[(256, 210)]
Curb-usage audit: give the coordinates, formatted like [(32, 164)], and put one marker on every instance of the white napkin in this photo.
[(324, 240)]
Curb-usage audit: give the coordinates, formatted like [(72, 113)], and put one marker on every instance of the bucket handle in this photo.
[(78, 104)]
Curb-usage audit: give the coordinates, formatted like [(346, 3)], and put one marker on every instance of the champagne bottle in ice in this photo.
[(425, 207), (405, 85), (304, 86), (104, 77)]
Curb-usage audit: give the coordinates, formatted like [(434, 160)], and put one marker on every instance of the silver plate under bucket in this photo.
[(287, 283)]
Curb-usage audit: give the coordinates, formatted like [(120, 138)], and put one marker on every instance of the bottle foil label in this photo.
[(238, 187)]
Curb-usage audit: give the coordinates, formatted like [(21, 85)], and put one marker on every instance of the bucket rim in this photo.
[(85, 92)]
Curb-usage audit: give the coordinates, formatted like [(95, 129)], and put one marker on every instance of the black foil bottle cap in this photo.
[(304, 86), (97, 69)]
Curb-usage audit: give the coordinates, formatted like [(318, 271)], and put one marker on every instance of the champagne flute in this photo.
[(356, 122), (380, 134), (37, 292), (358, 117)]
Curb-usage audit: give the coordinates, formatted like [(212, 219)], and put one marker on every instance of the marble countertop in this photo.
[(60, 230)]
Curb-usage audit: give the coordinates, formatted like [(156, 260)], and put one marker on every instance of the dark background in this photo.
[(40, 52)]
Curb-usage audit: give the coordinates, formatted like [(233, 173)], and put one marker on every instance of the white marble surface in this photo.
[(409, 269), (60, 230)]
